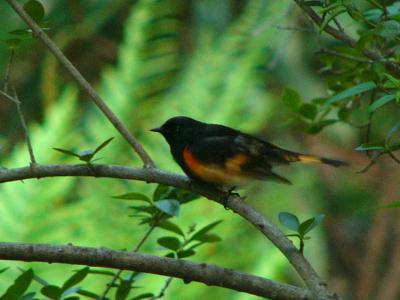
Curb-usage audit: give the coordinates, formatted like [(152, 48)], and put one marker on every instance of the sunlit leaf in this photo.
[(170, 226), (20, 285), (170, 242), (291, 99), (204, 230)]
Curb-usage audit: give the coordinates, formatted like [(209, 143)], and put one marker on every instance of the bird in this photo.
[(225, 157)]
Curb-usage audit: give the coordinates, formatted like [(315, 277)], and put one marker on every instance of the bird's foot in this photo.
[(229, 193)]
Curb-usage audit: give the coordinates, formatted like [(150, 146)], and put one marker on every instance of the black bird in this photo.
[(225, 157)]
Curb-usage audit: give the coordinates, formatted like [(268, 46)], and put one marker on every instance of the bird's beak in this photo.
[(158, 129)]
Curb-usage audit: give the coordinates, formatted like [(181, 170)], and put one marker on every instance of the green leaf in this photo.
[(28, 296), (170, 242), (308, 111), (355, 90), (291, 99), (209, 238), (393, 80), (35, 10), (133, 196), (170, 226), (310, 224), (86, 155), (4, 269), (169, 206), (380, 102), (186, 253), (143, 296), (21, 32), (389, 29), (68, 152), (51, 291), (20, 285), (289, 221), (70, 291), (371, 147), (88, 294), (75, 278), (123, 290), (197, 235), (102, 145)]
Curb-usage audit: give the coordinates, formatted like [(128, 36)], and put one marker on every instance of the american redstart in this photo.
[(223, 156)]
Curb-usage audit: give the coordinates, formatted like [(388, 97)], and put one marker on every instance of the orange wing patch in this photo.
[(230, 175)]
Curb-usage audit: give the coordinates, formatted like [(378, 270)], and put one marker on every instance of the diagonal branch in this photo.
[(83, 83), (188, 271), (266, 227), (342, 36)]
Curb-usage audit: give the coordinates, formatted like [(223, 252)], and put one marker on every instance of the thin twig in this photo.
[(25, 128), (83, 83), (8, 70), (369, 126), (137, 248)]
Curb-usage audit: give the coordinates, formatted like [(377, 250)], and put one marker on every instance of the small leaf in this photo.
[(371, 147), (344, 114), (186, 253), (70, 291), (318, 126), (355, 90), (67, 152), (204, 230), (75, 278), (308, 111), (88, 294), (170, 242), (143, 296), (380, 102), (133, 196), (35, 10), (102, 145), (393, 80), (310, 224), (169, 206), (289, 220), (28, 296), (392, 131), (209, 238), (123, 290), (21, 32), (291, 99), (168, 225), (51, 291), (20, 285)]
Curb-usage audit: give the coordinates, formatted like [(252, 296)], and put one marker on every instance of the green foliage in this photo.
[(292, 222)]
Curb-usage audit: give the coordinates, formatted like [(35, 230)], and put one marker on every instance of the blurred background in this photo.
[(227, 62)]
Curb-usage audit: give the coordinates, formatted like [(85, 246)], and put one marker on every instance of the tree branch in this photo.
[(342, 36), (188, 271), (83, 83), (266, 227)]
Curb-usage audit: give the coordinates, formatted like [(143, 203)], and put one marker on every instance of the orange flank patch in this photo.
[(309, 158), (229, 175)]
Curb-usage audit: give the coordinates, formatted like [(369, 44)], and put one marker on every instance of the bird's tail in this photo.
[(306, 158)]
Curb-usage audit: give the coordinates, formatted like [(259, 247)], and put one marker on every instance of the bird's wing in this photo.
[(234, 154)]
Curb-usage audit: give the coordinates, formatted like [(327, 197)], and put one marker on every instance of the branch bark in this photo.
[(83, 83), (188, 271), (345, 38), (266, 227)]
